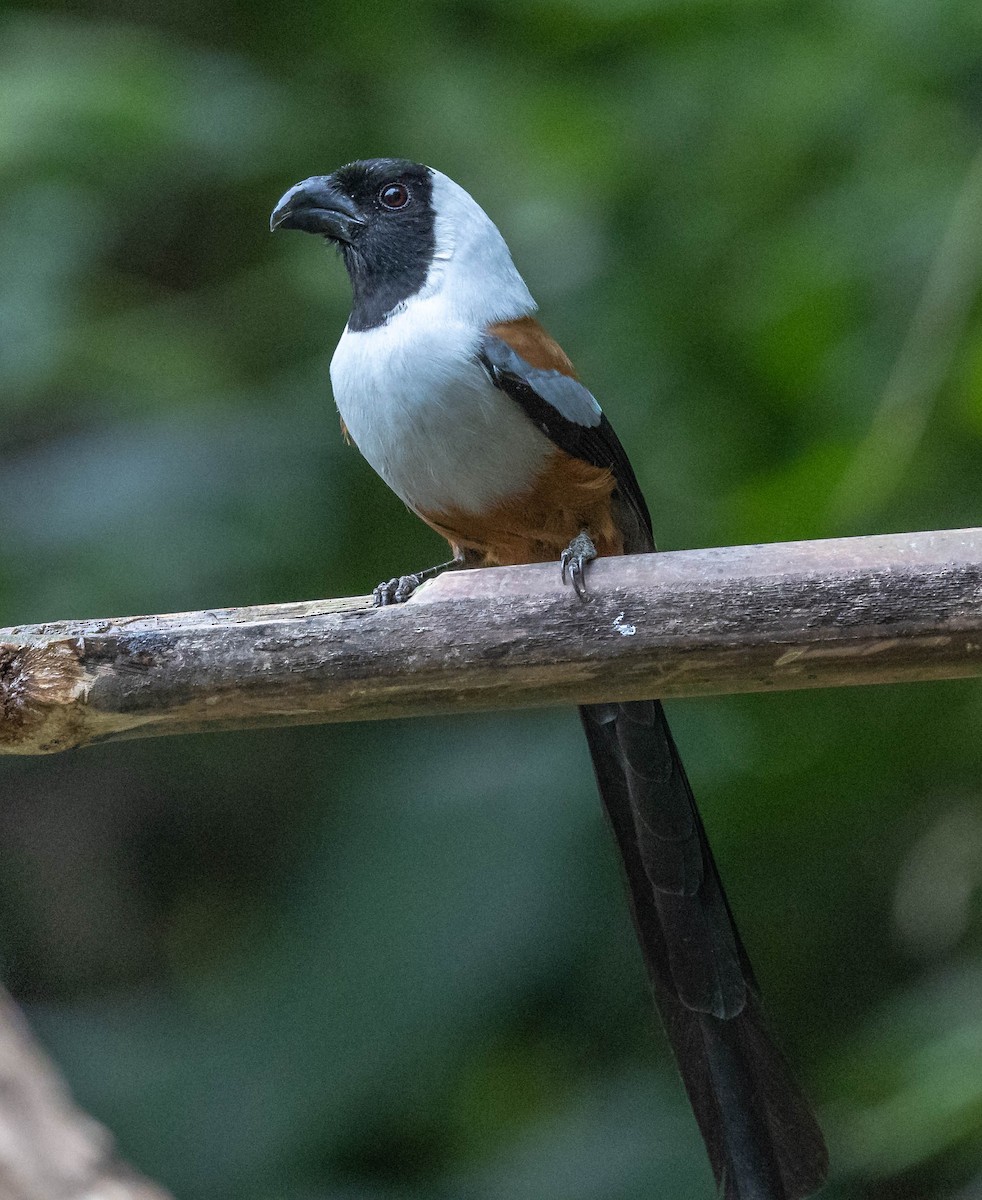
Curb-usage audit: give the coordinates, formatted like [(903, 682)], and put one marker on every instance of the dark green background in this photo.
[(394, 961)]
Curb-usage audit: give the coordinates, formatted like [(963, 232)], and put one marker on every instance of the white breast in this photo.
[(417, 404), (427, 417)]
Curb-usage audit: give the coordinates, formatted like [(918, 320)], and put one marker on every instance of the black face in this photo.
[(379, 213)]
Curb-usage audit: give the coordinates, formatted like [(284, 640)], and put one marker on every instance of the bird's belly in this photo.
[(428, 419)]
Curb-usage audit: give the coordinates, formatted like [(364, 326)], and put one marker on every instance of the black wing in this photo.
[(567, 413)]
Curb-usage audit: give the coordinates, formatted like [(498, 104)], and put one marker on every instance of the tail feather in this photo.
[(760, 1132)]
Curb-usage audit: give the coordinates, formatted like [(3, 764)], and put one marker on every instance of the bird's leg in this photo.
[(399, 589), (574, 559)]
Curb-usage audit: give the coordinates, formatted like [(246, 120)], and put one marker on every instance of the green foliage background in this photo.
[(394, 960)]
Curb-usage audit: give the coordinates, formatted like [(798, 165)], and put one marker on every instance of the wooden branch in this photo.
[(48, 1148), (746, 618)]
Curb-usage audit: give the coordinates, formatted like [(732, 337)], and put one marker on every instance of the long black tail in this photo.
[(760, 1132)]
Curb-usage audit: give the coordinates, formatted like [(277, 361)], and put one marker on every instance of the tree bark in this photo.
[(49, 1148), (846, 611)]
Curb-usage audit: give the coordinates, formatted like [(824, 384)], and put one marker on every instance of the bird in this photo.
[(475, 417)]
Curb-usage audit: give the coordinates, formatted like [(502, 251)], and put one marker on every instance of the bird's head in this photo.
[(405, 230)]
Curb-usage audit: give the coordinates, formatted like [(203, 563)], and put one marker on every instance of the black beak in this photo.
[(316, 206)]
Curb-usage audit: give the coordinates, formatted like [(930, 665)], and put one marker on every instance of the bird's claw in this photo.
[(573, 561), (396, 591)]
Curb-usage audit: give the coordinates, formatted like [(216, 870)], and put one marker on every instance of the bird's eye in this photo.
[(394, 195)]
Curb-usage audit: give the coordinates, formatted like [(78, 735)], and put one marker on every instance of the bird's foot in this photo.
[(396, 591), (574, 559), (399, 589)]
